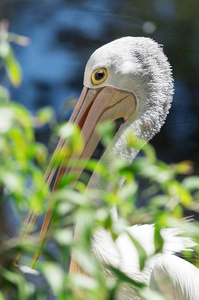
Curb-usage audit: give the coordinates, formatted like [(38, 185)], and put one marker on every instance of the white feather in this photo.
[(176, 278)]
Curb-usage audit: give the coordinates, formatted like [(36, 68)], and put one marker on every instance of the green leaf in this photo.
[(23, 119), (107, 131), (158, 201), (4, 49), (86, 260), (12, 181), (141, 252), (4, 94), (1, 296), (54, 276), (17, 280), (177, 190), (13, 68), (18, 39), (39, 152), (124, 278), (150, 153), (158, 239), (84, 282), (64, 237), (133, 141), (178, 212), (191, 183), (71, 132), (99, 168), (128, 191), (184, 167), (70, 196), (45, 115), (6, 119)]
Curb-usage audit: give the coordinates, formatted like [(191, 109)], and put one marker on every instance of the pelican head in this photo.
[(128, 78)]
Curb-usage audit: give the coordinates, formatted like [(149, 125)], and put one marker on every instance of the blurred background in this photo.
[(64, 33)]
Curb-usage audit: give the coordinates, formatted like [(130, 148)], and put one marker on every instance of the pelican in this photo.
[(129, 78)]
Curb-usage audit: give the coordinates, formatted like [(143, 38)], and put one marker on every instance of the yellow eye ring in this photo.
[(99, 76)]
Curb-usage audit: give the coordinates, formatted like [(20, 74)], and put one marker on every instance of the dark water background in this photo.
[(64, 33)]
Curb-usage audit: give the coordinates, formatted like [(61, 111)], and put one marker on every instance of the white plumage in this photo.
[(165, 272)]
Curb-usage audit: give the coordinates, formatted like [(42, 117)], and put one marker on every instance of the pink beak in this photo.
[(93, 107)]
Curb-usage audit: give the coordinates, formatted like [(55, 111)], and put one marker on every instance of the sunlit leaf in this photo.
[(184, 167), (4, 49), (191, 183), (64, 236), (85, 260), (23, 118), (133, 141), (99, 168), (84, 282), (12, 181), (63, 208), (6, 119), (71, 196), (40, 153), (158, 201), (4, 94), (45, 115), (18, 39), (128, 191), (150, 153), (13, 68), (1, 296), (178, 211), (54, 275), (179, 191), (72, 133)]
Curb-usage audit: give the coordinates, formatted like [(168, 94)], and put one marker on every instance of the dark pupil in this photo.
[(99, 75)]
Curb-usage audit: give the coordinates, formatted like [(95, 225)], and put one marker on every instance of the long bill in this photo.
[(93, 107)]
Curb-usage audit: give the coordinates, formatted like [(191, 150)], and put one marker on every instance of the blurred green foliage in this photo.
[(165, 193)]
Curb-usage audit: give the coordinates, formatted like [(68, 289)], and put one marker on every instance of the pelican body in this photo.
[(130, 78)]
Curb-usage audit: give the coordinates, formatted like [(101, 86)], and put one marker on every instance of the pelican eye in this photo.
[(99, 76)]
